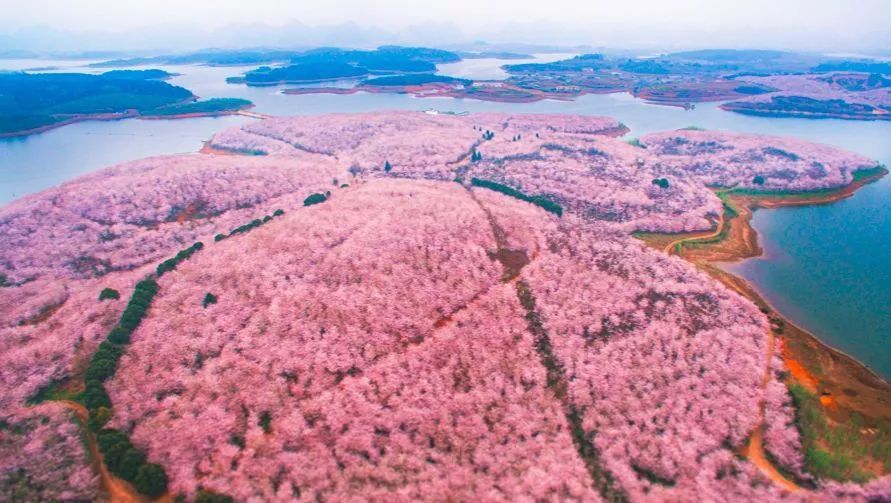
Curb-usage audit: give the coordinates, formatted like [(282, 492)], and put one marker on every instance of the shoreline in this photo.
[(117, 116), (794, 114), (844, 384), (495, 94)]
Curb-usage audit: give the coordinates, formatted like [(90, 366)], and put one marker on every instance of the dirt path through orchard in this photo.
[(754, 449), (119, 491)]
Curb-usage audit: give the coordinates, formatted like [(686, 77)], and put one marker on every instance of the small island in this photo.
[(35, 102), (327, 64)]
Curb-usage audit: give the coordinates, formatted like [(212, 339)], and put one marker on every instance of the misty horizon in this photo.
[(825, 26)]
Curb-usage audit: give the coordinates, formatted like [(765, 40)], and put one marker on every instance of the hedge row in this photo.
[(250, 225), (171, 263), (540, 201), (121, 457)]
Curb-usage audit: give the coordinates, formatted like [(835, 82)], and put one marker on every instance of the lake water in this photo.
[(827, 268)]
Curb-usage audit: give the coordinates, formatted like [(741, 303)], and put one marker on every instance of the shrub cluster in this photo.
[(171, 263), (315, 199), (209, 299), (109, 293), (540, 201), (661, 182)]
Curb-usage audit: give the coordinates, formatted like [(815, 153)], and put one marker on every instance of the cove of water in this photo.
[(827, 268)]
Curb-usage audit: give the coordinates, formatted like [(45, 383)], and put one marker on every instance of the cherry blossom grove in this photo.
[(397, 333), (869, 93), (722, 159), (576, 160), (337, 368), (42, 458), (127, 215)]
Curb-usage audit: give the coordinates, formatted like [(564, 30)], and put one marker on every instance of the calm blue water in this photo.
[(33, 163), (828, 268)]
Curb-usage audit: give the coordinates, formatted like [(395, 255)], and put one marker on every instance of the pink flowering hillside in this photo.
[(723, 159), (860, 96), (872, 89), (576, 161), (399, 307), (414, 371), (125, 216)]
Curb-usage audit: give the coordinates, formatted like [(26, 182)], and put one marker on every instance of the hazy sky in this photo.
[(795, 23)]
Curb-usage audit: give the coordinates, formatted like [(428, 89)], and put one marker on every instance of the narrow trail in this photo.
[(754, 449), (119, 491), (557, 382), (669, 248)]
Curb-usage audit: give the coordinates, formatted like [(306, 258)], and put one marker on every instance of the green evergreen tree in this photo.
[(109, 293), (151, 480)]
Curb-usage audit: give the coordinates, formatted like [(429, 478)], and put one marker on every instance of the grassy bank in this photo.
[(854, 450)]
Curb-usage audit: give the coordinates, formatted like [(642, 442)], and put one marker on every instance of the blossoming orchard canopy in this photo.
[(408, 337)]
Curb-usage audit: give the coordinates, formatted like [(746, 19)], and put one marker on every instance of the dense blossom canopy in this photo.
[(42, 458), (409, 337)]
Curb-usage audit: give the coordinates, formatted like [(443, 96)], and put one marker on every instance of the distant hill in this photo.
[(33, 102), (303, 72), (728, 55)]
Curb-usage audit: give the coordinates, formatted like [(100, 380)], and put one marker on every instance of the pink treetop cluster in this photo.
[(42, 457), (464, 415), (125, 216), (725, 159), (326, 370), (329, 290), (571, 159), (821, 87), (415, 144), (664, 364), (27, 304), (50, 329), (601, 178)]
